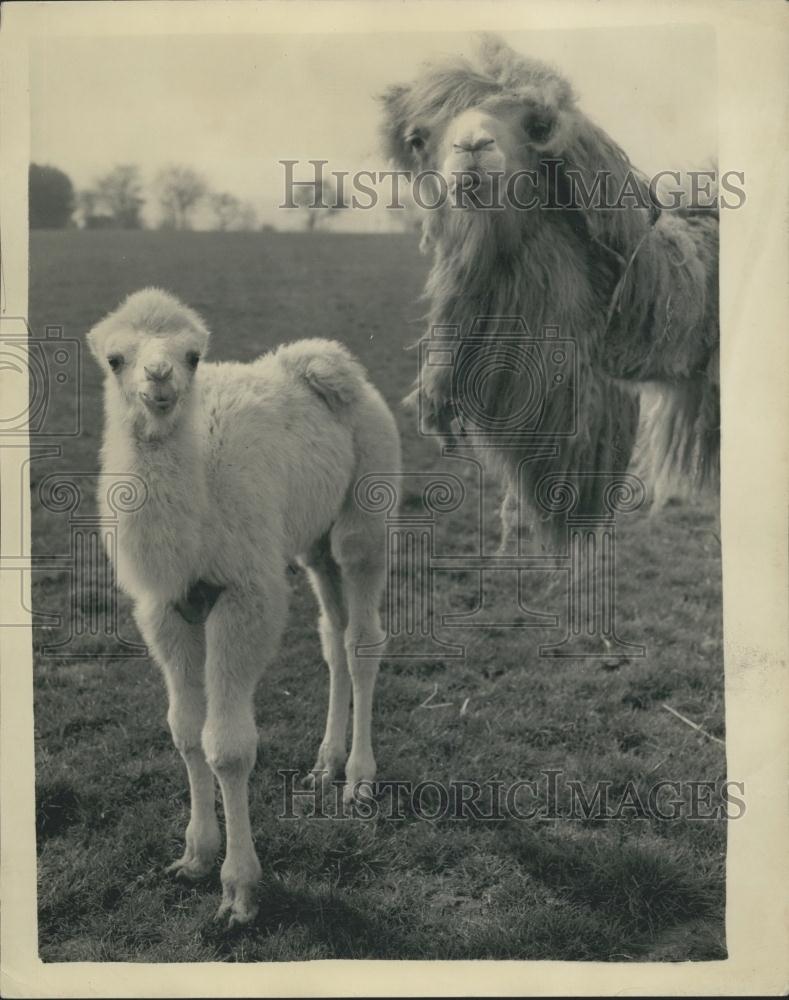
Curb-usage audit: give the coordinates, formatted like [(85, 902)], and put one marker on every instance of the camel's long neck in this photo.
[(487, 286), (491, 266), (549, 279)]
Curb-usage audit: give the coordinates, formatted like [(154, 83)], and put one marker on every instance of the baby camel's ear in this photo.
[(96, 338)]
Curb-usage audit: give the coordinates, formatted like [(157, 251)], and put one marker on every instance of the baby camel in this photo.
[(246, 467)]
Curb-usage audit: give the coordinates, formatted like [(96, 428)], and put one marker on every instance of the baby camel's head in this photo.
[(149, 348)]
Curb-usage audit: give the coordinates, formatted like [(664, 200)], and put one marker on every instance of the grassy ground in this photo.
[(111, 796)]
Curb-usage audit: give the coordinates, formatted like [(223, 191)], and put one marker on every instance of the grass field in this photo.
[(112, 800)]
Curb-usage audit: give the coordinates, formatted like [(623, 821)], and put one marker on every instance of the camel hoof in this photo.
[(189, 870), (238, 912)]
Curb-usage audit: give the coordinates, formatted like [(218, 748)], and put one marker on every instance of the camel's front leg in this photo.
[(179, 648), (509, 517), (516, 528), (242, 634)]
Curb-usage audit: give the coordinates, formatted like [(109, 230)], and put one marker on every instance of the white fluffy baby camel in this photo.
[(247, 466)]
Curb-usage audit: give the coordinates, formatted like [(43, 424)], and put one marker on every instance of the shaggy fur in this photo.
[(247, 466), (635, 289)]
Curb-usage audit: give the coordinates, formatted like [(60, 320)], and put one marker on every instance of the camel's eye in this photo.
[(115, 361), (415, 140), (193, 359), (538, 127)]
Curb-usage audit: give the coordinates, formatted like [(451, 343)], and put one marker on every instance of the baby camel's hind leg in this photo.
[(326, 579), (361, 555), (180, 650)]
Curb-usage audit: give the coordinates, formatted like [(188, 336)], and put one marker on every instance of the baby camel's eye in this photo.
[(192, 359), (115, 361)]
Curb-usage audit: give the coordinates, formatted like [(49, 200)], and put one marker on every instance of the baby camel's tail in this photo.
[(328, 368)]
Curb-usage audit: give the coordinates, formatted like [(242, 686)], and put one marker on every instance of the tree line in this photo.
[(116, 200)]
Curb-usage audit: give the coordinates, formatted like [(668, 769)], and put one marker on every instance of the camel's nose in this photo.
[(160, 372), (476, 143)]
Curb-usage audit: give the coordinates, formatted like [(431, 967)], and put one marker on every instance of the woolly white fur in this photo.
[(254, 467)]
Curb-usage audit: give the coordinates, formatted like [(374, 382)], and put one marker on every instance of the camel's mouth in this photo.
[(161, 402), (473, 188)]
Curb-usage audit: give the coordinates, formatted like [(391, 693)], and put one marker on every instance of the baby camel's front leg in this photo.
[(242, 634), (180, 650)]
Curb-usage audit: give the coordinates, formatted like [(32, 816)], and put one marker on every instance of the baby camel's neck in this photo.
[(160, 542), (167, 458)]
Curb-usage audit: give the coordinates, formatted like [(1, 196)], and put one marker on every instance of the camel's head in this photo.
[(150, 348), (504, 116), (506, 130)]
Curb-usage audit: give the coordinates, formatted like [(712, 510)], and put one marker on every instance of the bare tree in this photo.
[(247, 217), (87, 201), (180, 190), (119, 194), (226, 208), (232, 213), (320, 199)]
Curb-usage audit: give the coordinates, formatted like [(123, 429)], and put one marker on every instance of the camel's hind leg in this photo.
[(180, 650), (359, 548), (326, 579)]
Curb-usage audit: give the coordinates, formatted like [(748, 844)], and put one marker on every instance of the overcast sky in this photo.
[(232, 106)]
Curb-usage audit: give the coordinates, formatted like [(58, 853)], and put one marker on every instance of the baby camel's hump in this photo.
[(298, 425)]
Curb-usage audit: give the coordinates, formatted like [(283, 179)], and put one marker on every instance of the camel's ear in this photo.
[(96, 339), (394, 124), (514, 71), (548, 98), (199, 327), (501, 62)]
